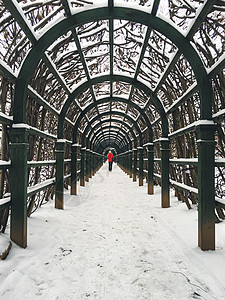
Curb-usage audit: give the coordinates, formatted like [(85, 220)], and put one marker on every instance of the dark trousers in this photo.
[(110, 165)]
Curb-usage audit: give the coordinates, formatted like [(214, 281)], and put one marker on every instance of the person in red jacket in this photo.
[(110, 160)]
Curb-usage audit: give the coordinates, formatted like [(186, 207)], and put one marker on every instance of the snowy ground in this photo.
[(113, 242)]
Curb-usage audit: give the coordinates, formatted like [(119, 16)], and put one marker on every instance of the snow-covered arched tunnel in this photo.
[(145, 78)]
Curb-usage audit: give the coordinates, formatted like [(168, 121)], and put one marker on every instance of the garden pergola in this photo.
[(145, 78)]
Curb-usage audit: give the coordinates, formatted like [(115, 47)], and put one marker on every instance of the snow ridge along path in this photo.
[(113, 242)]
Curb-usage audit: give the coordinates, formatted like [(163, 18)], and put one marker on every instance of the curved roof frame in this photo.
[(107, 148), (124, 141), (86, 136), (111, 140), (101, 101), (111, 13), (94, 138), (119, 113), (116, 129)]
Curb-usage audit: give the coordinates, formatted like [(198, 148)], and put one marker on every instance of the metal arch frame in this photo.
[(103, 78), (115, 126), (107, 149), (114, 146), (123, 115), (125, 142), (105, 129), (91, 134), (120, 132), (86, 137), (111, 142), (104, 13), (108, 135), (106, 100)]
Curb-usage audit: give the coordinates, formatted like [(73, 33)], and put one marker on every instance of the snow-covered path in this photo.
[(113, 242)]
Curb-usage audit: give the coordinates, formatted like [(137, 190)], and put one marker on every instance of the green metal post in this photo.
[(74, 153), (59, 185), (91, 163), (82, 166), (18, 184), (140, 156), (165, 187), (206, 185), (94, 163), (134, 164), (87, 175), (150, 151), (121, 161), (130, 163), (127, 162)]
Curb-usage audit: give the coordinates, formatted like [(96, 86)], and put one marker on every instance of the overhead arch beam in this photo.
[(120, 133), (115, 146), (107, 100), (87, 135), (111, 140), (113, 136), (103, 78), (104, 13), (117, 113), (107, 129), (127, 130), (112, 143)]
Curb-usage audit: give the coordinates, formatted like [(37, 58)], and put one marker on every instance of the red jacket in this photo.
[(110, 157)]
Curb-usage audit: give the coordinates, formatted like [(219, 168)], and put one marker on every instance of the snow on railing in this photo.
[(5, 203), (4, 164), (40, 186), (191, 190)]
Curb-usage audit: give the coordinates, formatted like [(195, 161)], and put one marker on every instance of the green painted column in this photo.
[(74, 168), (165, 186), (18, 184), (124, 157), (95, 163), (134, 164), (140, 156), (118, 160), (150, 180), (121, 161), (59, 184), (87, 175), (130, 163), (82, 166), (206, 184), (91, 163), (127, 162)]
